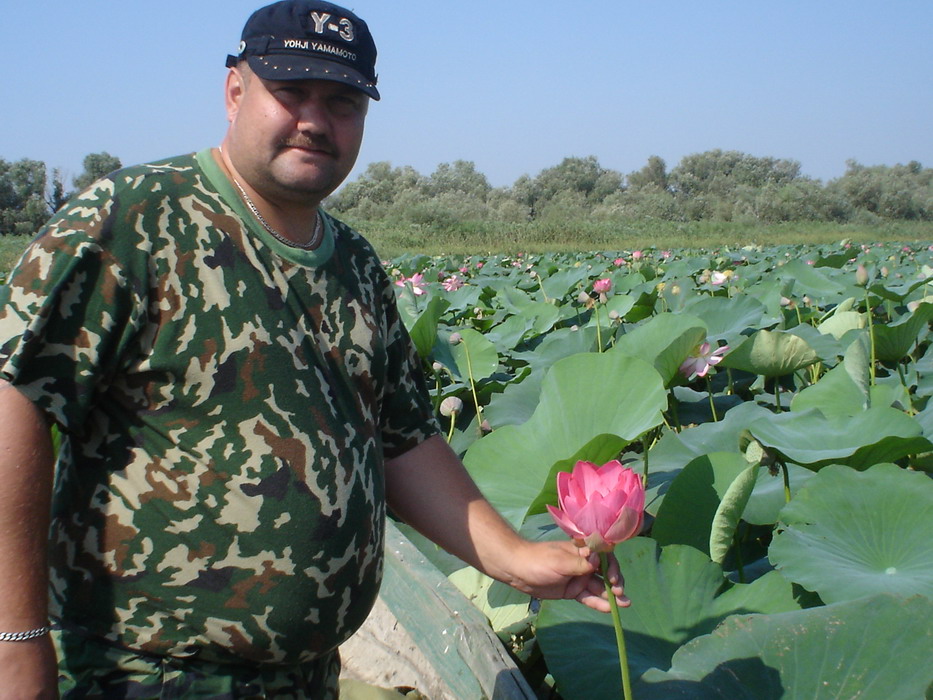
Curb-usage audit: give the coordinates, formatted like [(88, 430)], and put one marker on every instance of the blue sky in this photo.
[(514, 85)]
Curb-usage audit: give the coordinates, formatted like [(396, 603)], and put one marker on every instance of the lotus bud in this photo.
[(599, 507), (614, 315), (583, 298), (455, 339), (485, 427), (450, 406), (861, 276), (437, 366)]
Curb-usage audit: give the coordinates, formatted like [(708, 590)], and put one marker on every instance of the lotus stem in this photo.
[(739, 564), (871, 336), (453, 422), (786, 476), (617, 624), (479, 410), (644, 450), (709, 392), (599, 335)]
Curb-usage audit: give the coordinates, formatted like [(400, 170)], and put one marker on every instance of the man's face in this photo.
[(294, 140)]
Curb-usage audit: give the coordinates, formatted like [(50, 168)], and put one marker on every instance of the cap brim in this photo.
[(290, 67)]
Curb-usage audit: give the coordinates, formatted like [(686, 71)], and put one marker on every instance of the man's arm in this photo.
[(27, 669), (428, 488)]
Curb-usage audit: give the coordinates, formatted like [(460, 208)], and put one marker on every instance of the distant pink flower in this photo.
[(416, 281), (602, 286), (619, 262), (718, 277), (479, 266), (452, 283), (464, 270), (666, 254), (599, 506), (637, 255), (699, 364)]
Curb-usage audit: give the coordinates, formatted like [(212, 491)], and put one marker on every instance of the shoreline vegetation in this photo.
[(393, 240)]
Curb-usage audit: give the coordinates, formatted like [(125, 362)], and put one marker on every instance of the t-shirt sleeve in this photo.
[(70, 308), (407, 416)]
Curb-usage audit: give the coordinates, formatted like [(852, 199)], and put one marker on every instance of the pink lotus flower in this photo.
[(699, 364), (718, 277), (599, 506), (415, 281), (452, 283), (637, 255), (602, 286), (619, 262)]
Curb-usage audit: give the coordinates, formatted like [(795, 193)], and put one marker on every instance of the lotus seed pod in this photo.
[(451, 405)]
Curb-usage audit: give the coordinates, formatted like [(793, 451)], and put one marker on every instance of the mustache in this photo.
[(317, 143)]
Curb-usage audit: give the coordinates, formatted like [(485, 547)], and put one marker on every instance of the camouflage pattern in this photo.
[(226, 404), (97, 670)]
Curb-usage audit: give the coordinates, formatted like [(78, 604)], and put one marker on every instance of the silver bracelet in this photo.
[(24, 636)]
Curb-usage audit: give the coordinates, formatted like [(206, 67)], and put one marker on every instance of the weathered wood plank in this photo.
[(452, 634)]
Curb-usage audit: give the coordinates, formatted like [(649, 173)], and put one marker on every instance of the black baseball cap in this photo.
[(308, 39)]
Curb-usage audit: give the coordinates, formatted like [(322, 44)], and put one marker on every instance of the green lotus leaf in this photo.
[(727, 515), (557, 345), (516, 403), (509, 333), (726, 318), (850, 534), (840, 323), (817, 284), (582, 397), (424, 330), (474, 356), (674, 450), (771, 354), (874, 648), (677, 594), (808, 438), (894, 341), (897, 292), (693, 498), (565, 282), (767, 499), (664, 341), (827, 348), (620, 304), (835, 394)]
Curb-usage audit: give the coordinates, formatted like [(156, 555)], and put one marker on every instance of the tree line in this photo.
[(714, 185), (29, 193)]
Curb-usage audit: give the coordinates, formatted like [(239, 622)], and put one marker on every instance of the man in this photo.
[(238, 401)]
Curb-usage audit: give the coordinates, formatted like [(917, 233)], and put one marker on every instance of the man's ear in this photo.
[(234, 88)]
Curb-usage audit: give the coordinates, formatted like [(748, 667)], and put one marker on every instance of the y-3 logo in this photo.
[(342, 27)]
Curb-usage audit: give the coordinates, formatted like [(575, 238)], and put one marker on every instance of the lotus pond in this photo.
[(787, 548)]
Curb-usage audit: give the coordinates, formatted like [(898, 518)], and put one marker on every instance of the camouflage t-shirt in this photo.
[(226, 404)]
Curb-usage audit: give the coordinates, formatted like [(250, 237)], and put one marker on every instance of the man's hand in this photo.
[(28, 670), (428, 488), (554, 570)]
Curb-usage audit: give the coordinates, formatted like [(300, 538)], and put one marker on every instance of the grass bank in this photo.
[(478, 238), (392, 239)]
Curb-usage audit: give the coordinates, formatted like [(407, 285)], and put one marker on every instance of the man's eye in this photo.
[(345, 104)]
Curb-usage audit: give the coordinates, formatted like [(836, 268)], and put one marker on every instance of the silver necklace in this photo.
[(318, 225)]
